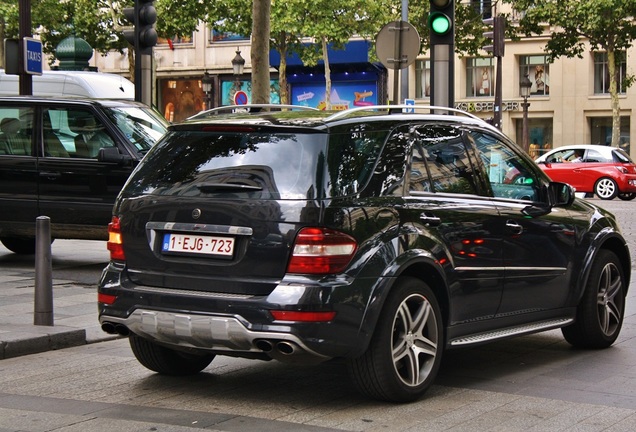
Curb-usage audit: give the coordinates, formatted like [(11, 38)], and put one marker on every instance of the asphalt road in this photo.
[(535, 382)]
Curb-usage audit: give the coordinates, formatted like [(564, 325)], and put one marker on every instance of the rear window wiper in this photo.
[(217, 187)]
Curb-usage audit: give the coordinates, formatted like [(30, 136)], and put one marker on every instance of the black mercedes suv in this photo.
[(381, 236)]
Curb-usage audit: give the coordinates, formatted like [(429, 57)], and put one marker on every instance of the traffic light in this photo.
[(143, 16), (495, 35), (440, 22)]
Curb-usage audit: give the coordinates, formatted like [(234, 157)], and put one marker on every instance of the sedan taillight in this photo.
[(115, 244), (622, 169), (321, 251)]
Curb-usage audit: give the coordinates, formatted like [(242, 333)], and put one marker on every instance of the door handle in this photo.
[(430, 219), (50, 174), (514, 227)]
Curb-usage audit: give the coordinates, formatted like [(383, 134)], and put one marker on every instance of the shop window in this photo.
[(538, 70), (482, 7), (539, 135), (222, 36), (601, 73), (175, 41), (479, 77), (601, 131), (181, 98), (422, 79)]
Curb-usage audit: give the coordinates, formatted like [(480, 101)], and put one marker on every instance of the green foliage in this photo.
[(605, 24)]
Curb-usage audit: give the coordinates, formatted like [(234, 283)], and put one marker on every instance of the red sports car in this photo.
[(606, 171)]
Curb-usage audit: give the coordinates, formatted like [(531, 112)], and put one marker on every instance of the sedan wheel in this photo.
[(406, 349), (606, 188), (599, 316), (627, 196)]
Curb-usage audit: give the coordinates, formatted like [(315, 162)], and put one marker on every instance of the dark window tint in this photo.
[(439, 154), (353, 157), (264, 165)]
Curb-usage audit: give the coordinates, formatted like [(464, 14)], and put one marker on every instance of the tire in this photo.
[(165, 360), (21, 246), (599, 316), (405, 351), (606, 188), (627, 196)]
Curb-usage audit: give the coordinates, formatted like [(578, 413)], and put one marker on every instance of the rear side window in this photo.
[(16, 131), (440, 162), (234, 165)]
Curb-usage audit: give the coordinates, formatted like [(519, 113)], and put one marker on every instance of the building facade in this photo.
[(569, 101)]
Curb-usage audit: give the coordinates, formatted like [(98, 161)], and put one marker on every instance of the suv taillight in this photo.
[(321, 251), (115, 245)]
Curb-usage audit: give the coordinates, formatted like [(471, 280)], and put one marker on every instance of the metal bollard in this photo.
[(43, 310)]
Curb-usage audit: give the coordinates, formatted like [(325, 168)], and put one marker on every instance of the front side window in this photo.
[(141, 126), (538, 70), (601, 73), (509, 175), (479, 77)]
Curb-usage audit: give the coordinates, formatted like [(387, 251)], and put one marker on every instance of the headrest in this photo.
[(81, 124), (10, 125)]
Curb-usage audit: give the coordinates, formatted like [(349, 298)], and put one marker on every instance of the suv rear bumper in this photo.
[(215, 333), (242, 325)]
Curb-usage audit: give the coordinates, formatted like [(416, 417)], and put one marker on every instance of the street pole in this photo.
[(404, 75), (26, 80)]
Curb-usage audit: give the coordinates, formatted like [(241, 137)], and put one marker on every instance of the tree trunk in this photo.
[(260, 51), (613, 88), (282, 71), (325, 55)]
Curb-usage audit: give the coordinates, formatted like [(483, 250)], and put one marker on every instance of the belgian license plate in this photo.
[(198, 244)]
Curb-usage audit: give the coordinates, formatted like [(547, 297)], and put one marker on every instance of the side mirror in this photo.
[(560, 194), (110, 154)]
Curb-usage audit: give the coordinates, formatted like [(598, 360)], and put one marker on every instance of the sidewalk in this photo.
[(74, 304)]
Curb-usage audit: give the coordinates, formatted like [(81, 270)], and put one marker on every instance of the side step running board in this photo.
[(511, 331)]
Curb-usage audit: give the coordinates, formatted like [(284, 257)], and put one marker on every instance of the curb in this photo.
[(21, 340)]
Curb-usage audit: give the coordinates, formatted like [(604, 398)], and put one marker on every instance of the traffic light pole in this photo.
[(142, 37), (442, 32), (145, 72), (443, 69)]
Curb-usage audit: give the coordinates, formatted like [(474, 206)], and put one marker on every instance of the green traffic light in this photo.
[(439, 23)]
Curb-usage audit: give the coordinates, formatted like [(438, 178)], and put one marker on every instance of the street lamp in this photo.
[(238, 63), (206, 85), (524, 89)]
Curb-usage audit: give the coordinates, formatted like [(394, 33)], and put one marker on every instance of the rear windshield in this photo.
[(266, 165), (621, 156), (263, 165)]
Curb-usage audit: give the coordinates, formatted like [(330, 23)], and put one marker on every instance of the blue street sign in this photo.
[(32, 56), (409, 102)]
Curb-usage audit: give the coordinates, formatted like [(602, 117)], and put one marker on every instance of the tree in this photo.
[(260, 51), (606, 25), (334, 23)]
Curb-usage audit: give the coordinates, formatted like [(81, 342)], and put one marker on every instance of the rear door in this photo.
[(446, 209), (77, 190), (18, 171)]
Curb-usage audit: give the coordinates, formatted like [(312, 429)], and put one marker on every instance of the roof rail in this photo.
[(399, 109), (250, 108)]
